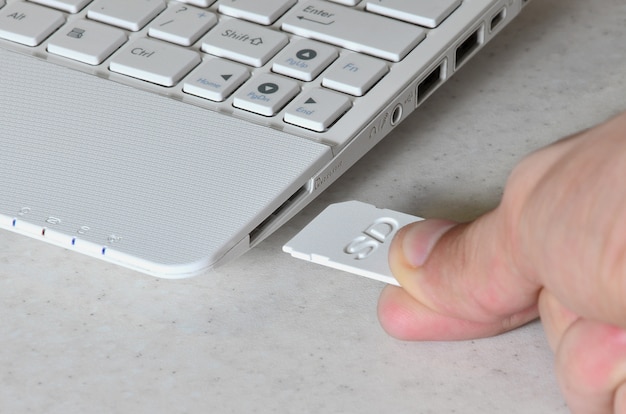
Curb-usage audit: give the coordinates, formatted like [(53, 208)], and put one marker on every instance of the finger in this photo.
[(620, 399), (570, 219), (405, 318), (591, 366), (555, 317), (462, 271)]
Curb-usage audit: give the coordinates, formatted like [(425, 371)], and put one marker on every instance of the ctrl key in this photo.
[(154, 61)]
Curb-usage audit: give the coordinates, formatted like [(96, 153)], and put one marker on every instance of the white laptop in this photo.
[(171, 136)]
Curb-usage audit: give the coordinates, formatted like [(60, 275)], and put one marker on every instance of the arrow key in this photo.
[(304, 59), (266, 94), (216, 79), (317, 109)]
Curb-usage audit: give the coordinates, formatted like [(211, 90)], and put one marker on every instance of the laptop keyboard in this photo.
[(305, 62)]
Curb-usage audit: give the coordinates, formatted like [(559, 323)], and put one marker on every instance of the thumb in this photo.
[(459, 276)]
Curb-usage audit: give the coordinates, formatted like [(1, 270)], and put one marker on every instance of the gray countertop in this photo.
[(268, 333)]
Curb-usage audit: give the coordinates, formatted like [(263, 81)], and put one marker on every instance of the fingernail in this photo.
[(418, 239)]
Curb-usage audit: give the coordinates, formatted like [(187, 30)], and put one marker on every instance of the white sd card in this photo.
[(351, 236)]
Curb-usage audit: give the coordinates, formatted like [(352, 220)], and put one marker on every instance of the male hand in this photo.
[(555, 247)]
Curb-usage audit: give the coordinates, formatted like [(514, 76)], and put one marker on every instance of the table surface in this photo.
[(268, 333)]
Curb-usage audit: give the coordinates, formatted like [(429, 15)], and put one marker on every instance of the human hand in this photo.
[(555, 247)]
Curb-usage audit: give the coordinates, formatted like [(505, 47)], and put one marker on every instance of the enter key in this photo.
[(354, 29)]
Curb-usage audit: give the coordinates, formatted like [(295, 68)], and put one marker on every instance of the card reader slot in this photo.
[(259, 230)]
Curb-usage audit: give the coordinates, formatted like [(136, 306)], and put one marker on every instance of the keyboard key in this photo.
[(347, 2), (243, 42), (354, 29), (354, 74), (266, 94), (28, 24), (427, 13), (263, 12), (87, 41), (182, 25), (154, 61), (131, 15), (199, 3), (70, 6), (304, 59), (216, 79), (317, 110)]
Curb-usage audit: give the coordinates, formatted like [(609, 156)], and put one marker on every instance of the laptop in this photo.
[(171, 136)]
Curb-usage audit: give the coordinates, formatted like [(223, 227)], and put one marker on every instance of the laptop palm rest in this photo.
[(135, 178)]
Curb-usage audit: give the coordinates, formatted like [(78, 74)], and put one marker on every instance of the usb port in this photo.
[(430, 82), (497, 19), (468, 46)]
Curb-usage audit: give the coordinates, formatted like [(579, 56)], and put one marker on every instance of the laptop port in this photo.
[(430, 82), (497, 19), (396, 115), (468, 46), (259, 231)]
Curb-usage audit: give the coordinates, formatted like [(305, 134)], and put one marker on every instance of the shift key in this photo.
[(354, 29)]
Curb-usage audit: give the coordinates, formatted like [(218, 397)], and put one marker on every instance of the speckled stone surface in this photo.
[(268, 333)]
